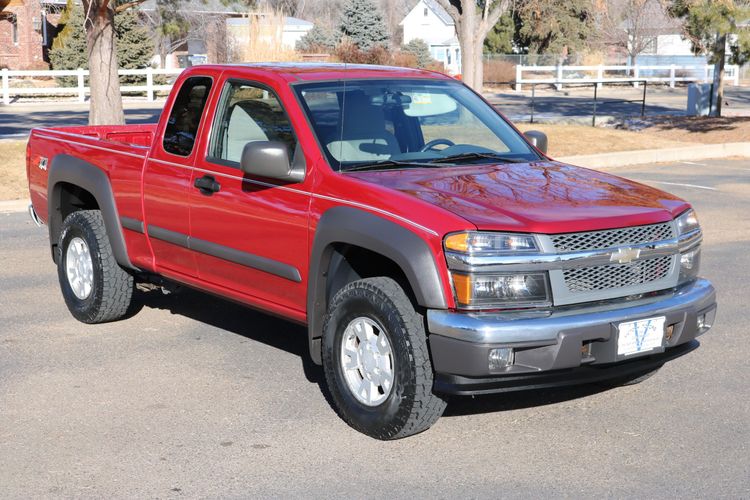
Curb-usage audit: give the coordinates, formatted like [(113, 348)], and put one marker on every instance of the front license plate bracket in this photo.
[(641, 336)]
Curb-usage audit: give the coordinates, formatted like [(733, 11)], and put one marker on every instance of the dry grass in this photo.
[(700, 129), (570, 140), (13, 170)]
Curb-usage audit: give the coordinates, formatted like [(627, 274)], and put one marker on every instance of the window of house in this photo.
[(14, 29), (248, 113), (185, 118), (425, 12)]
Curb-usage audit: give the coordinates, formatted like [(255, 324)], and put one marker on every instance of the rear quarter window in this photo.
[(186, 115)]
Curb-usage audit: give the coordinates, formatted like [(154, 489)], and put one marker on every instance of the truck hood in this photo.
[(545, 197)]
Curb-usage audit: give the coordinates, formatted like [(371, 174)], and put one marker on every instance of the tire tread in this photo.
[(117, 284)]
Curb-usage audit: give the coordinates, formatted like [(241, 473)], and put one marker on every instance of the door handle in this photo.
[(207, 185)]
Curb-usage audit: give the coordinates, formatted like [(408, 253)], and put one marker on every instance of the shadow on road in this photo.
[(238, 319), (292, 338), (519, 105), (493, 403)]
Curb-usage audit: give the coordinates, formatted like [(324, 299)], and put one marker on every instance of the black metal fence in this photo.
[(599, 105)]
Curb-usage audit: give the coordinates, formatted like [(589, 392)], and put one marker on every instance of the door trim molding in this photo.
[(229, 254)]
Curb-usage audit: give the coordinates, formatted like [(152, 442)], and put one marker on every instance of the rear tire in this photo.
[(399, 401), (95, 288)]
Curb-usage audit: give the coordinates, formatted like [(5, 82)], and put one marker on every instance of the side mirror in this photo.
[(271, 159), (538, 139)]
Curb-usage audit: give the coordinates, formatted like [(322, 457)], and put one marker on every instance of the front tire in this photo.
[(376, 361), (95, 288)]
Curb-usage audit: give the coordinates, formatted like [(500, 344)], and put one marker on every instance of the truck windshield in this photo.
[(364, 124)]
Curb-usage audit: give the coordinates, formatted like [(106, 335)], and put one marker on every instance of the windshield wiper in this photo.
[(477, 156), (384, 164)]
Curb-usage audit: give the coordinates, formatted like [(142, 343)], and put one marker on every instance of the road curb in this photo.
[(8, 206), (640, 157)]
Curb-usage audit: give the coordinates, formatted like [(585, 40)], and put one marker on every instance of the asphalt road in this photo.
[(196, 397), (17, 120)]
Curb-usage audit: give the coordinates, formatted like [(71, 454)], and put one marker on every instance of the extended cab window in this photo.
[(182, 126), (248, 113)]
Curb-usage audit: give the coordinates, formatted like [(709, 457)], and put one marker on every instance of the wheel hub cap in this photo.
[(367, 361), (79, 268)]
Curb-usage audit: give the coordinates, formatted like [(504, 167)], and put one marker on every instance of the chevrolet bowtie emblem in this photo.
[(625, 255)]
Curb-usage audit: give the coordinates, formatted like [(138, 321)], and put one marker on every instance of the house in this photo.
[(220, 31), (287, 30), (430, 22), (27, 28)]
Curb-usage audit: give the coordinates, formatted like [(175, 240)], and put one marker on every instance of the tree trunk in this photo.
[(467, 30), (161, 44), (720, 58), (106, 100)]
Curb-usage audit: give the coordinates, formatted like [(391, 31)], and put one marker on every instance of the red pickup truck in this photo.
[(430, 248)]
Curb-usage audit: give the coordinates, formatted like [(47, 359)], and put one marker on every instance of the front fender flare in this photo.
[(69, 169), (357, 227)]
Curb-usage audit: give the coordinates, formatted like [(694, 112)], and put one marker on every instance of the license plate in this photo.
[(640, 336)]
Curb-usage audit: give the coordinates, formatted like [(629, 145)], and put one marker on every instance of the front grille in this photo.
[(607, 277), (594, 240)]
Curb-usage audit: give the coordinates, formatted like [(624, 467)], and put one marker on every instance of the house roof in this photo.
[(295, 21), (440, 12), (288, 21), (202, 6), (435, 7)]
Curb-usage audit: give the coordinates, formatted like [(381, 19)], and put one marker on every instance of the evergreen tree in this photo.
[(419, 49), (135, 47), (318, 39), (711, 25), (555, 26), (362, 22), (500, 38), (69, 46)]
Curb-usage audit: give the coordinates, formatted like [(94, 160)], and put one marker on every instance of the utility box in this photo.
[(699, 101)]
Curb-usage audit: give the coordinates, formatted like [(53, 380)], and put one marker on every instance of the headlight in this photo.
[(478, 243), (690, 258), (687, 222), (496, 290)]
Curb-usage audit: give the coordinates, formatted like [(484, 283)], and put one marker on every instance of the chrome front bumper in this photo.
[(558, 339)]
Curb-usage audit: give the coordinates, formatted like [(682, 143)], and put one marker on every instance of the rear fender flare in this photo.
[(357, 227), (69, 169)]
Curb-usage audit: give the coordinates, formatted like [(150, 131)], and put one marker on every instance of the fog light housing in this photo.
[(500, 358), (689, 265)]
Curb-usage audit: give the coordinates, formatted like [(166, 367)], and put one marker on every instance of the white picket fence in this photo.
[(16, 83), (671, 74)]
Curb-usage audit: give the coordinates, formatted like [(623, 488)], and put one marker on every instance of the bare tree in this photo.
[(632, 25), (175, 26), (474, 19), (106, 101)]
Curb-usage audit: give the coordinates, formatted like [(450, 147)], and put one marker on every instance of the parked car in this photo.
[(430, 248)]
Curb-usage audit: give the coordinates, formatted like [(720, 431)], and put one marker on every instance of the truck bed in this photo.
[(119, 150), (132, 135)]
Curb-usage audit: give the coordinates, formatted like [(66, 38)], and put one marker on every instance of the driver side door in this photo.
[(251, 233)]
